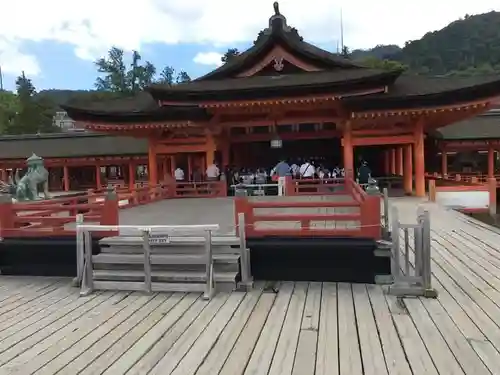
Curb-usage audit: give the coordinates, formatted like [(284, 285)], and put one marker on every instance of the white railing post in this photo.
[(246, 272), (386, 210)]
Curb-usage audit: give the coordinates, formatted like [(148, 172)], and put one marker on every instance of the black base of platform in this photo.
[(316, 259), (272, 258), (40, 256)]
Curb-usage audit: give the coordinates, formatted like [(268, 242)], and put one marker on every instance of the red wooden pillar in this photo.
[(393, 161), (491, 162), (190, 167), (348, 150), (399, 161), (408, 169), (98, 181), (444, 163), (65, 178), (131, 175), (387, 162), (152, 164), (419, 158)]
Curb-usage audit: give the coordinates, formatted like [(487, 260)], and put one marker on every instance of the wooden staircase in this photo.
[(179, 265)]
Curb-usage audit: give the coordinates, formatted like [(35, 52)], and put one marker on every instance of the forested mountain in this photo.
[(468, 46)]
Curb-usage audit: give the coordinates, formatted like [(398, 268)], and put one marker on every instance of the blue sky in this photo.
[(63, 38)]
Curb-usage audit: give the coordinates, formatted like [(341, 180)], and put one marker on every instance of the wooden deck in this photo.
[(304, 328)]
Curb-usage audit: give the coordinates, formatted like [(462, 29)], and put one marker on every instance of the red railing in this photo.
[(55, 217), (315, 186), (361, 220)]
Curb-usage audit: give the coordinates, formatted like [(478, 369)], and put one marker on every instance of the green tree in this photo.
[(31, 116), (345, 53), (230, 54), (374, 63), (114, 72), (182, 77), (166, 76), (9, 107)]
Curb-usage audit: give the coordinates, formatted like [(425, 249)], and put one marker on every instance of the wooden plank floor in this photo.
[(295, 329)]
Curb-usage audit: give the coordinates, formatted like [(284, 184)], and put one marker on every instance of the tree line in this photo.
[(28, 111)]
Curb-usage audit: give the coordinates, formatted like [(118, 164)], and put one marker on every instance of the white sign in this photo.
[(159, 239)]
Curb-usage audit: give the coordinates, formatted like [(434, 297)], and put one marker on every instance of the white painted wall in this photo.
[(464, 199)]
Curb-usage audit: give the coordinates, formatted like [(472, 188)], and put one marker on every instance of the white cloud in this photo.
[(208, 58), (92, 26)]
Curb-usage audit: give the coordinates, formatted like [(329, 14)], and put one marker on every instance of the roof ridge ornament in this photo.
[(278, 20)]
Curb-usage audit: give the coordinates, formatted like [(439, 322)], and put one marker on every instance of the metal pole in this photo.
[(386, 209)]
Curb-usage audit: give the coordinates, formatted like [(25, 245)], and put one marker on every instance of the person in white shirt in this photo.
[(179, 174), (307, 170), (295, 170), (212, 172)]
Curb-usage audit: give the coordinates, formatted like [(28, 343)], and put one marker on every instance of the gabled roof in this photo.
[(331, 81), (279, 34), (133, 109), (417, 91)]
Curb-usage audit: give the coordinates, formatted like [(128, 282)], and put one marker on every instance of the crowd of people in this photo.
[(307, 169)]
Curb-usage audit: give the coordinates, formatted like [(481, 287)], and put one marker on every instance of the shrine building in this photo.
[(290, 94)]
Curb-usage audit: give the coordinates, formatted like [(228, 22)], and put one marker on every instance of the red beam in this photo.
[(388, 140), (247, 138)]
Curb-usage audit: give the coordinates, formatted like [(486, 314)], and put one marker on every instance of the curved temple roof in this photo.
[(330, 75)]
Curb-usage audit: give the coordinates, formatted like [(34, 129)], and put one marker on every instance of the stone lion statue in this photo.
[(26, 188)]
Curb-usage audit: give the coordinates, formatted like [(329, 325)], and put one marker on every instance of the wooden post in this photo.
[(190, 167), (7, 214), (348, 149), (408, 170), (370, 217), (110, 214), (387, 162), (399, 161), (444, 163), (492, 189), (152, 164), (491, 162), (419, 158), (98, 182), (65, 178), (432, 190), (173, 165), (393, 161), (131, 175)]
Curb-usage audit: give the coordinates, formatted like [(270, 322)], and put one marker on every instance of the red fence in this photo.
[(360, 217), (55, 217), (315, 186)]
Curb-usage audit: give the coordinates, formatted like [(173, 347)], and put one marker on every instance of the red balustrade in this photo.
[(362, 220)]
